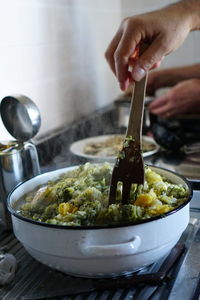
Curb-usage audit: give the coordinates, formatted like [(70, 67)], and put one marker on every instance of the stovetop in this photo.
[(36, 281)]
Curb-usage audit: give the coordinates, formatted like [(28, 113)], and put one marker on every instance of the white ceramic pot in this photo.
[(98, 251)]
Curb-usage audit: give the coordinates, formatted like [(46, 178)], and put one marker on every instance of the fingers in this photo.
[(122, 48), (109, 54), (119, 51), (157, 64), (124, 51), (151, 58), (118, 61), (161, 107)]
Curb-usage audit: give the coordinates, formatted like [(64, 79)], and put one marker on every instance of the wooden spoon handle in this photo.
[(137, 108)]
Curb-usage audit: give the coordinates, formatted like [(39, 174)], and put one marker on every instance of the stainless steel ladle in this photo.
[(20, 116)]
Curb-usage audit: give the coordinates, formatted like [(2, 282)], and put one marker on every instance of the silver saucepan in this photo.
[(98, 251)]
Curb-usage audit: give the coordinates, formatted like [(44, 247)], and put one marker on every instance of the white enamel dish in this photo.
[(78, 147), (98, 251)]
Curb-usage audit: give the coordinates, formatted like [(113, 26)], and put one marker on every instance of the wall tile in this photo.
[(53, 52)]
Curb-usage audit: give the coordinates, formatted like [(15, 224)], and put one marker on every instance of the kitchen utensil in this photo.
[(129, 166), (196, 294), (18, 158), (18, 162), (20, 116), (174, 134), (89, 251), (8, 268), (167, 138), (122, 106)]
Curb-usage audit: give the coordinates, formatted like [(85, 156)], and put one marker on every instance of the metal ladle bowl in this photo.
[(20, 116)]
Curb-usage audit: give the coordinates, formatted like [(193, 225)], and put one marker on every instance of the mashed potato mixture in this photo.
[(80, 197), (112, 145)]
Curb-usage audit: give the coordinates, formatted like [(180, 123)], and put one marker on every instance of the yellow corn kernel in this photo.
[(65, 208), (144, 200)]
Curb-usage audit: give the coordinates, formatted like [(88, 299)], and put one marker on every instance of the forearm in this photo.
[(189, 72), (192, 9), (172, 76)]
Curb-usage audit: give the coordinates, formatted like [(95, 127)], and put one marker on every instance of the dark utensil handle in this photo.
[(170, 260), (196, 294)]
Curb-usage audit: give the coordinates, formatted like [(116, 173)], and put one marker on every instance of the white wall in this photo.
[(53, 52)]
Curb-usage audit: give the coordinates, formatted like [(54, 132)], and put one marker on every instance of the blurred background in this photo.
[(53, 52)]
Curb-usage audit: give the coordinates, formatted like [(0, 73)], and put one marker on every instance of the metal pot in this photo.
[(98, 251), (18, 162), (122, 106)]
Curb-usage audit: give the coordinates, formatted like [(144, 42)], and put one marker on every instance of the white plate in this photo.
[(78, 147)]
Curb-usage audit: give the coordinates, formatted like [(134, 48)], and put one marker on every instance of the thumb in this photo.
[(152, 57)]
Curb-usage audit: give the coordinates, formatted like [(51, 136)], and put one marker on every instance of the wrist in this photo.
[(192, 11)]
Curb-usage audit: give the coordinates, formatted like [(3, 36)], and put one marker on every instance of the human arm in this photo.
[(164, 30), (170, 77), (183, 98)]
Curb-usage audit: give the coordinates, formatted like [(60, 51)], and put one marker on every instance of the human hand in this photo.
[(183, 98), (164, 30)]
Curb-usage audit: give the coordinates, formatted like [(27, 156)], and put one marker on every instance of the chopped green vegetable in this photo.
[(80, 197)]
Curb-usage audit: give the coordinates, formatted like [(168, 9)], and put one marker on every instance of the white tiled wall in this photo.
[(53, 52)]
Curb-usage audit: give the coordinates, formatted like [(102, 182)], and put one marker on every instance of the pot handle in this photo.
[(34, 157), (121, 249)]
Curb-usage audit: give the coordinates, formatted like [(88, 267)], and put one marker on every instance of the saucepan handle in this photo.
[(120, 249), (34, 157)]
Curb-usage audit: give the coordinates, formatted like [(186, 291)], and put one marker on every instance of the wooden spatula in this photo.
[(129, 166)]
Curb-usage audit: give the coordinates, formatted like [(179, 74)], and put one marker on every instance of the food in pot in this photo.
[(112, 145), (80, 197)]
